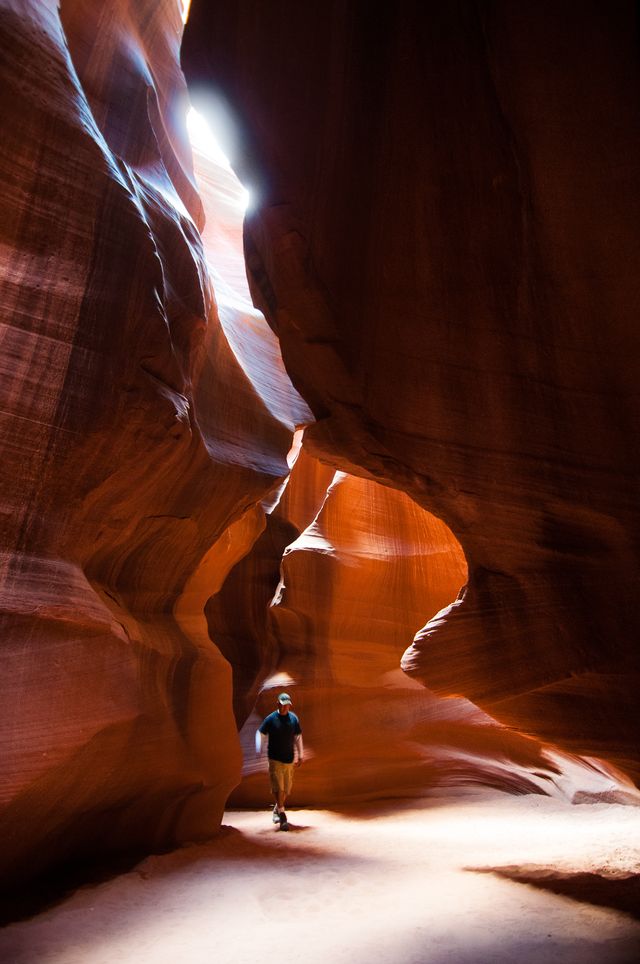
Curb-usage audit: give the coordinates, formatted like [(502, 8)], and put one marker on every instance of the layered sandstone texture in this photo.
[(353, 569), (445, 239), (448, 271), (137, 442), (323, 604)]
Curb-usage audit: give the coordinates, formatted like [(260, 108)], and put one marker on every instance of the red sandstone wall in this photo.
[(437, 271), (365, 566), (132, 438), (446, 242)]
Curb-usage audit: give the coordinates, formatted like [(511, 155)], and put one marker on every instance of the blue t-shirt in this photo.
[(281, 729)]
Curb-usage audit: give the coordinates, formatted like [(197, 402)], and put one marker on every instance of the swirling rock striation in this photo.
[(135, 446), (365, 565), (446, 242)]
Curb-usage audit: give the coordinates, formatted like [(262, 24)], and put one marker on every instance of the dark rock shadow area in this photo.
[(621, 893)]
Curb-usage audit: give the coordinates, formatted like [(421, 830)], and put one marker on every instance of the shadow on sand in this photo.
[(61, 882), (620, 893), (229, 845)]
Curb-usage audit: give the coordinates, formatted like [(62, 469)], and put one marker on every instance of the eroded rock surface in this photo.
[(445, 239), (327, 616), (135, 446)]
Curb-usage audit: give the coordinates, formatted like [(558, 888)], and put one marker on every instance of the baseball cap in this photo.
[(284, 698)]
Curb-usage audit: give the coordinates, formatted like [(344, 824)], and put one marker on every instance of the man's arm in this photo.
[(299, 748), (260, 738)]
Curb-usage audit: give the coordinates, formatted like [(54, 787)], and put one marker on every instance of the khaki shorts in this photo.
[(281, 776)]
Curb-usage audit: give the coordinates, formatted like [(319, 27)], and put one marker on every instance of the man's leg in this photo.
[(285, 784), (280, 799), (279, 789), (281, 778)]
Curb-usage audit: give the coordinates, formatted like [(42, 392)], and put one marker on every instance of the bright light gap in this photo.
[(203, 139)]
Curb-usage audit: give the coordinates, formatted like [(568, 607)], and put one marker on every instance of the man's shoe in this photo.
[(282, 817), (275, 816)]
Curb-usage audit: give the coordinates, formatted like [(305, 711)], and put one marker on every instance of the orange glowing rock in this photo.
[(352, 586), (456, 308), (446, 243)]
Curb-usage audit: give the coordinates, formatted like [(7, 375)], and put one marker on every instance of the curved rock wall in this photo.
[(446, 242), (364, 566), (134, 444)]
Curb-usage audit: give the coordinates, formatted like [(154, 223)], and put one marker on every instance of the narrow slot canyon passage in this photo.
[(355, 428), (414, 854)]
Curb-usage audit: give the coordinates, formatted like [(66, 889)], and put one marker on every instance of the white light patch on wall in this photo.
[(204, 140), (185, 10), (224, 200)]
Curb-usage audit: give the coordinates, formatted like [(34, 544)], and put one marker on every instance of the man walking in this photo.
[(283, 730)]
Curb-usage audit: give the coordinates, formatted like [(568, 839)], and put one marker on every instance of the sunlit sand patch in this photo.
[(379, 885)]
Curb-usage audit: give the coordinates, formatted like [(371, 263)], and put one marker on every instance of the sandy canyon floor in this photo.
[(486, 878)]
